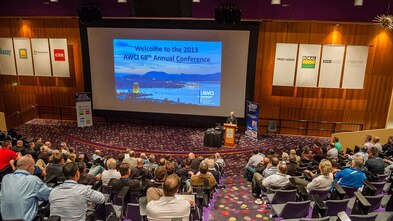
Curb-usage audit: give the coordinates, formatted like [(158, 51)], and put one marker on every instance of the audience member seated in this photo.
[(151, 165), (70, 199), (170, 168), (64, 148), (362, 152), (154, 187), (257, 179), (307, 154), (292, 152), (374, 164), (278, 180), (86, 179), (388, 147), (144, 158), (18, 147), (198, 179), (139, 172), (130, 159), (169, 207), (111, 172), (336, 143), (352, 177), (254, 160), (183, 173), (118, 184), (7, 159), (321, 182), (377, 144), (367, 141), (212, 169), (169, 158), (219, 160), (316, 148), (21, 191), (195, 161), (272, 153), (332, 152), (293, 167), (56, 167)]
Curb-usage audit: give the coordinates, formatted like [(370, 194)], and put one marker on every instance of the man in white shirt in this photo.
[(111, 172), (377, 144), (69, 200), (168, 206), (332, 152), (280, 179)]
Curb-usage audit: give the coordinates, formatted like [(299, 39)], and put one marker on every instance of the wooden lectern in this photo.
[(229, 134)]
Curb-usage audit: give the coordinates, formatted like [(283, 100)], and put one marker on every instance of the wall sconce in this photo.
[(276, 2), (358, 3)]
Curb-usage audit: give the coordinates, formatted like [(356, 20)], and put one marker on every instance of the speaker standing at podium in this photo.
[(232, 119)]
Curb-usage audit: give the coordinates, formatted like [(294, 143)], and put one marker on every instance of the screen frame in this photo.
[(251, 26)]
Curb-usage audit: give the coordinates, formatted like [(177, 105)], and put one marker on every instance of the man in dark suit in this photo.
[(118, 184), (232, 119)]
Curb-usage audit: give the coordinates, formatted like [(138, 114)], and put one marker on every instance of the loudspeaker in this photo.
[(89, 12), (228, 14)]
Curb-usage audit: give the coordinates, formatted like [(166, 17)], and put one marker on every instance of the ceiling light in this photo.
[(276, 2), (122, 1), (358, 3), (384, 21)]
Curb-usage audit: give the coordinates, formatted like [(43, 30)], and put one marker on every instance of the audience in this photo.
[(70, 199), (168, 206), (21, 191)]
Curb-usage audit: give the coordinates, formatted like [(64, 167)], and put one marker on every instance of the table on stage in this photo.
[(213, 138)]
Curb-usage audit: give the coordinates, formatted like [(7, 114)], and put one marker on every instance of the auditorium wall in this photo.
[(368, 106)]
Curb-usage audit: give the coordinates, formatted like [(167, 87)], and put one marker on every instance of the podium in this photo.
[(229, 134)]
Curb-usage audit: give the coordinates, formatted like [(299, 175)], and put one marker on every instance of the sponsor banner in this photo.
[(285, 64), (355, 67), (23, 58), (41, 57), (252, 119), (308, 65), (7, 59), (331, 66), (59, 57), (84, 114)]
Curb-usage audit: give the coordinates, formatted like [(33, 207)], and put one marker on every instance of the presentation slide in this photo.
[(173, 71), (168, 72)]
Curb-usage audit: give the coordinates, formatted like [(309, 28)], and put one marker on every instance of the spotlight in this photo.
[(358, 3)]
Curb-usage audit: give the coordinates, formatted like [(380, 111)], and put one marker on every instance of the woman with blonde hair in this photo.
[(323, 181)]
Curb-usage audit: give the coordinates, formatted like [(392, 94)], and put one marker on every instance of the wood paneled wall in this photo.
[(20, 93), (368, 106)]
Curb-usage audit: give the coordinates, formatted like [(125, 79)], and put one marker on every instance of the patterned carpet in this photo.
[(232, 203)]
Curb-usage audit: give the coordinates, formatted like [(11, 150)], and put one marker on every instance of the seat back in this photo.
[(381, 177), (379, 186), (323, 194), (375, 202), (295, 210), (369, 217), (284, 196), (336, 206), (349, 192), (326, 218), (132, 212)]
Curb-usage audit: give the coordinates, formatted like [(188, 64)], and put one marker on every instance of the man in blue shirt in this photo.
[(352, 177), (21, 191)]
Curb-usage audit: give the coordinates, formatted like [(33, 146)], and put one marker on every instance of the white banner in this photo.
[(355, 67), (24, 62), (41, 58), (308, 65), (331, 66), (84, 115), (285, 64), (7, 59), (59, 57)]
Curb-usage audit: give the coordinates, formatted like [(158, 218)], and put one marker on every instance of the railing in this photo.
[(19, 117), (309, 127), (57, 112)]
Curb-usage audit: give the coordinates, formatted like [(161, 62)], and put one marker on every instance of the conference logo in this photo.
[(59, 54), (309, 61), (23, 53), (5, 52)]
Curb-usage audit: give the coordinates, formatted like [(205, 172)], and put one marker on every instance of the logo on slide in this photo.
[(23, 53), (309, 61), (59, 55)]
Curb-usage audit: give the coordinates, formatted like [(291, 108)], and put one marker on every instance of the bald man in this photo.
[(232, 119), (168, 206), (107, 175), (21, 191)]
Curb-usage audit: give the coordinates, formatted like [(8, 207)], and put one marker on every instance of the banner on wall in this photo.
[(7, 59), (331, 66), (252, 120), (308, 65), (41, 57), (84, 114), (59, 57), (285, 64), (23, 58), (355, 67)]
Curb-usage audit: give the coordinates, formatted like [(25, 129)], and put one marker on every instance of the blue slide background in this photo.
[(168, 71)]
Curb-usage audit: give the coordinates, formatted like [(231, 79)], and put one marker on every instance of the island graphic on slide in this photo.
[(168, 71)]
